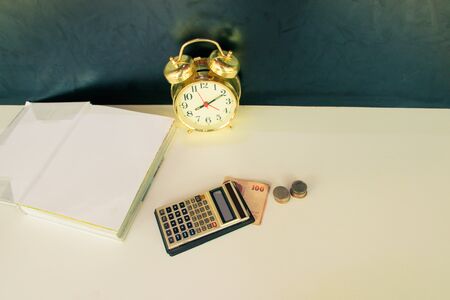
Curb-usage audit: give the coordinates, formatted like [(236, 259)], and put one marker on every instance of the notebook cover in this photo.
[(91, 162)]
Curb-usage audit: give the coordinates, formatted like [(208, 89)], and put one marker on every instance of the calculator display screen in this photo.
[(222, 205)]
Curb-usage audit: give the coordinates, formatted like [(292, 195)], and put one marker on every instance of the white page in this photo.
[(97, 172), (7, 115), (30, 141)]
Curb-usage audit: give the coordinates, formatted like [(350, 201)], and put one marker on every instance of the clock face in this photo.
[(205, 105)]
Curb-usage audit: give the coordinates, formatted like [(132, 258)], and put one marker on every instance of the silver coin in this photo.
[(281, 194), (298, 189)]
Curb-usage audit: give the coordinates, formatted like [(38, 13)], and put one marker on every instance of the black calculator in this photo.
[(194, 221)]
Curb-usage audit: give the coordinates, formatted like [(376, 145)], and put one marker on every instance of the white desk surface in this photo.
[(375, 224)]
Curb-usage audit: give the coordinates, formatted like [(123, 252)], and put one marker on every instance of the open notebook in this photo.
[(80, 164)]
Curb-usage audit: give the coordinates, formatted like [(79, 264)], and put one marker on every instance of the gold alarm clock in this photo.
[(205, 91)]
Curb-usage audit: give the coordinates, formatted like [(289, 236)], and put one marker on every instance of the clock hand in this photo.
[(201, 106), (214, 99), (205, 104), (201, 97), (213, 107)]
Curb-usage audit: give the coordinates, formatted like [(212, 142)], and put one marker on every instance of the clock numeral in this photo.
[(194, 89), (226, 110), (215, 87), (187, 96), (184, 105), (208, 120), (189, 113), (203, 85), (228, 101), (223, 92), (218, 117), (198, 118)]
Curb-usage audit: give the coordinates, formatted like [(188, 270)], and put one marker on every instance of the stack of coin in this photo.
[(281, 194), (298, 189)]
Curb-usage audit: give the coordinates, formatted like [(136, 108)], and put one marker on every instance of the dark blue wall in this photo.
[(323, 52)]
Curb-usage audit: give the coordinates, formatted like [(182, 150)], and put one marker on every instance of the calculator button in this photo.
[(182, 205), (164, 218), (192, 232), (168, 209), (170, 216), (198, 198), (171, 240), (209, 226), (189, 207), (214, 224), (203, 228), (202, 222), (202, 209), (206, 220), (200, 204), (175, 230), (173, 223), (196, 224), (211, 219), (205, 202), (186, 218), (207, 207), (175, 207), (192, 200), (204, 215), (182, 227), (191, 213), (168, 232), (166, 226), (202, 197), (184, 211), (209, 213), (194, 218), (177, 213), (178, 237), (198, 230), (194, 205), (197, 211), (162, 212), (185, 234), (189, 225)]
